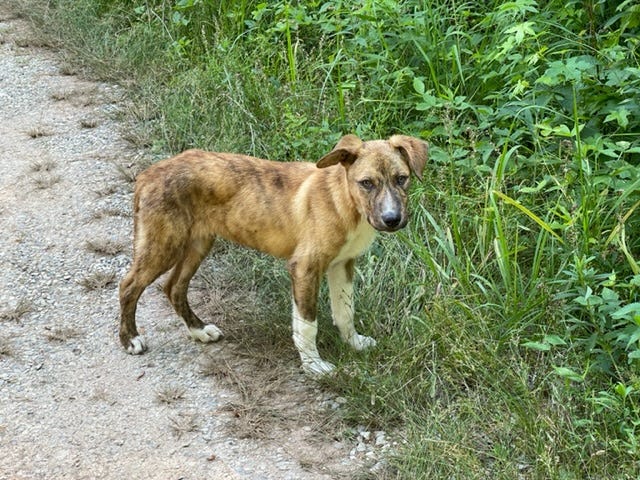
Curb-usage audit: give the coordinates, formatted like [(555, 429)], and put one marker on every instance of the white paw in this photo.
[(317, 367), (137, 346), (209, 333), (361, 342)]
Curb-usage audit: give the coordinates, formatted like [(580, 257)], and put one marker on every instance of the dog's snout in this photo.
[(391, 218), (390, 212)]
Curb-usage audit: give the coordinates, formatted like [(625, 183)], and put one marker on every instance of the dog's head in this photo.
[(378, 174)]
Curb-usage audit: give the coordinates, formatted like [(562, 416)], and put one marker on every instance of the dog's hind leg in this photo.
[(145, 269), (154, 252), (340, 280), (178, 284)]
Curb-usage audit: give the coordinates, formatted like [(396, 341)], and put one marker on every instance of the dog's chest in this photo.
[(357, 242)]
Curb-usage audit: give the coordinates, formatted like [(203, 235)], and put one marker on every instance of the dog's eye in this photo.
[(401, 180), (366, 184)]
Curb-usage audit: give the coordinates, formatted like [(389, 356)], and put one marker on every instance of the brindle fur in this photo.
[(318, 217)]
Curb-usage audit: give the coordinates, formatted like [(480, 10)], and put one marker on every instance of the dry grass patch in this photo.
[(39, 131), (142, 134), (129, 171), (170, 394), (61, 95), (80, 96), (139, 138), (46, 180), (14, 314), (98, 280), (184, 423), (6, 348), (110, 212), (106, 191), (261, 408), (61, 334), (105, 246), (29, 40), (43, 173), (68, 69), (103, 394), (42, 165), (89, 122)]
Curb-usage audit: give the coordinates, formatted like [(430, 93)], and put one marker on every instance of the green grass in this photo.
[(507, 312)]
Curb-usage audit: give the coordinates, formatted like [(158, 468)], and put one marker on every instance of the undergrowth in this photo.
[(507, 314)]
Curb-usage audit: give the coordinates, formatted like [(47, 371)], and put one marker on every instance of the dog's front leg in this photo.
[(305, 280), (340, 279)]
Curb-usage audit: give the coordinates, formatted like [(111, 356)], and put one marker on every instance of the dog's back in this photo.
[(258, 203)]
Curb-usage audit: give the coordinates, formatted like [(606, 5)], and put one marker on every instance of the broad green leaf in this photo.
[(621, 116), (540, 346), (630, 309), (568, 374), (521, 31), (554, 340)]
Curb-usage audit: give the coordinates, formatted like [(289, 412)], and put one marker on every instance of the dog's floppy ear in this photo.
[(414, 151), (345, 152)]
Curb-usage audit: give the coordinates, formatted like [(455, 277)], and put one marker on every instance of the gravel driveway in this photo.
[(72, 404)]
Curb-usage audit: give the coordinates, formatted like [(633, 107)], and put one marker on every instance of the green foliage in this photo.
[(510, 332)]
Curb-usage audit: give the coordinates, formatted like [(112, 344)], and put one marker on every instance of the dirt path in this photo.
[(72, 404)]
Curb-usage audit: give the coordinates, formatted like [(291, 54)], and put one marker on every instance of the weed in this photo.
[(42, 165), (46, 180), (183, 423), (127, 173), (103, 395), (98, 280), (61, 334), (170, 394), (6, 348), (130, 171), (106, 246), (39, 131), (106, 191), (62, 95), (68, 69), (110, 212), (89, 122), (22, 307)]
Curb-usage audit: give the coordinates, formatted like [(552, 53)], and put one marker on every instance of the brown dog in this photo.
[(318, 217)]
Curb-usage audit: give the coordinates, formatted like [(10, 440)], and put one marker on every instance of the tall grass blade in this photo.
[(528, 213)]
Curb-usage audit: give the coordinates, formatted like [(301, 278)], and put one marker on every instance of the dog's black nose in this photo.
[(391, 219)]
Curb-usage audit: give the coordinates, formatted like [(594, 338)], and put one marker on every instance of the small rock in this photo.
[(380, 439), (378, 467)]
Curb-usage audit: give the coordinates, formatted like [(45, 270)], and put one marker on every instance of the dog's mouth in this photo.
[(388, 224)]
